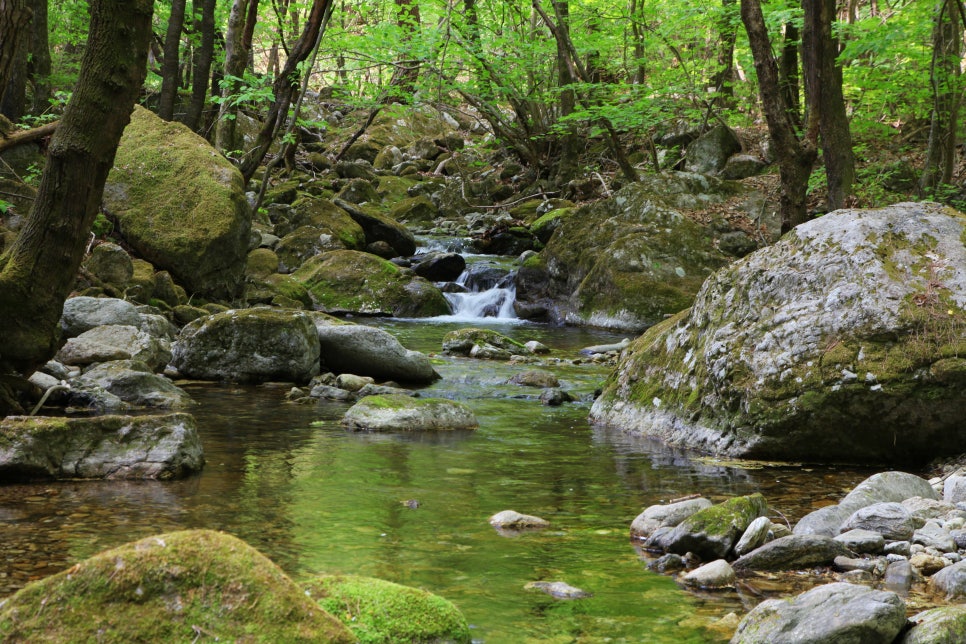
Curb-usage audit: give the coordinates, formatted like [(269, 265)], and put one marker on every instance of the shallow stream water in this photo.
[(290, 481)]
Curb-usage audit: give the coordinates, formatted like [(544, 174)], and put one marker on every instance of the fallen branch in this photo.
[(26, 136)]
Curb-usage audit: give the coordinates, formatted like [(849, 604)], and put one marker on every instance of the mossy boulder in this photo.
[(379, 227), (346, 281), (381, 612), (415, 210), (400, 126), (628, 261), (249, 345), (302, 244), (316, 212), (711, 533), (101, 447), (399, 413), (844, 342), (463, 342), (180, 205), (937, 626), (174, 587)]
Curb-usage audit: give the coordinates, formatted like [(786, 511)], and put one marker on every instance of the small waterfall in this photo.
[(482, 292)]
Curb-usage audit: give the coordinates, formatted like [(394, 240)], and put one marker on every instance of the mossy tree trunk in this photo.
[(38, 271)]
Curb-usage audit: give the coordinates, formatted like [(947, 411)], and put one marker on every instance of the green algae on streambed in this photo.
[(318, 499)]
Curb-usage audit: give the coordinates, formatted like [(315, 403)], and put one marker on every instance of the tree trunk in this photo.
[(947, 94), (788, 71), (720, 82), (14, 40), (38, 67), (795, 157), (823, 90), (204, 25), (286, 85), (569, 141), (406, 72), (170, 66), (238, 42), (38, 271)]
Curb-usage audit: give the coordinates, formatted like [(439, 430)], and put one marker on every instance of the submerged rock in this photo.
[(173, 587), (837, 612), (835, 344), (381, 611), (513, 520), (101, 447), (395, 413), (558, 589)]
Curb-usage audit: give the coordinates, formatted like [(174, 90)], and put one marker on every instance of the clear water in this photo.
[(315, 498)]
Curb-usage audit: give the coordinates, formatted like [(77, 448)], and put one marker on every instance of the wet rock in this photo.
[(554, 397), (711, 532), (135, 384), (667, 563), (534, 378), (862, 541), (463, 341), (899, 576), (379, 227), (384, 390), (950, 581), (715, 575), (406, 414), (536, 348), (836, 612), (115, 342), (351, 382), (439, 267), (944, 625), (558, 589), (748, 370), (665, 516), (513, 520), (386, 612), (754, 536), (891, 520), (369, 351), (100, 447), (328, 392), (249, 345), (84, 313), (157, 588), (792, 553)]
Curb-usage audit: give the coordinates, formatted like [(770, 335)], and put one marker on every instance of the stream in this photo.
[(290, 481)]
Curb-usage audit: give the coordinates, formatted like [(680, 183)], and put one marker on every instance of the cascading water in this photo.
[(481, 300)]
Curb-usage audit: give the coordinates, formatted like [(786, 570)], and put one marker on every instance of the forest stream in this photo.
[(289, 480)]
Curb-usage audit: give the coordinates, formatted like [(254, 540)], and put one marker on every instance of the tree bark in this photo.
[(402, 85), (945, 77), (238, 43), (569, 141), (170, 66), (823, 91), (204, 26), (38, 67), (14, 40), (38, 271), (795, 156)]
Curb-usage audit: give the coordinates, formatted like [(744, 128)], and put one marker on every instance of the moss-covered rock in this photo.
[(174, 587), (379, 227), (712, 532), (381, 612), (302, 244), (415, 210), (322, 214), (346, 281), (180, 205), (843, 342), (628, 261), (463, 341), (400, 126), (261, 263), (400, 413)]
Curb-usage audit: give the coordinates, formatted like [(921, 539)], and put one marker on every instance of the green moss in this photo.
[(461, 341), (734, 514), (173, 587), (381, 612)]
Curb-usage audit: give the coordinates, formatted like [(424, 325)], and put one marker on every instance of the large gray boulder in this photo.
[(710, 152), (712, 532), (878, 488), (665, 516), (842, 342), (84, 313), (249, 345), (101, 447), (367, 351), (832, 614), (396, 413), (891, 520), (951, 581), (180, 205), (134, 383), (115, 342), (793, 552)]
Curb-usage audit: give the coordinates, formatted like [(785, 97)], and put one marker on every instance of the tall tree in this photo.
[(945, 78), (823, 92), (201, 60), (238, 45), (171, 63), (38, 271), (14, 41), (406, 70), (38, 65)]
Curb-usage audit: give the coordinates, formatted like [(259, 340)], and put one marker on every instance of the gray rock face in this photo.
[(368, 351), (110, 263), (832, 614), (717, 574), (249, 345), (951, 581), (932, 535), (754, 536), (891, 520), (829, 345), (954, 489), (513, 520), (862, 541), (670, 515), (84, 313), (793, 552), (115, 342), (394, 413), (101, 447), (135, 384), (710, 152), (945, 625), (711, 533)]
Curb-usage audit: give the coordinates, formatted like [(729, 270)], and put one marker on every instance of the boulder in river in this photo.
[(513, 520), (173, 587), (382, 611), (84, 313), (115, 342), (396, 413), (134, 383), (462, 342), (712, 532), (665, 516), (943, 625), (793, 552), (249, 345), (368, 351), (100, 447), (837, 612), (844, 341), (711, 576), (558, 589)]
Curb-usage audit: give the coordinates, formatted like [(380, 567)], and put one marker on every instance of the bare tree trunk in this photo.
[(945, 77), (406, 71), (238, 43), (788, 79), (569, 141), (204, 25), (38, 271), (823, 90), (38, 67), (795, 156), (14, 41), (170, 66)]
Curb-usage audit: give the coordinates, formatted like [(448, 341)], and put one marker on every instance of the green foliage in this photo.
[(102, 225)]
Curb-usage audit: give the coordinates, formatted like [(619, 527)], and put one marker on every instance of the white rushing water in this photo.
[(492, 303)]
